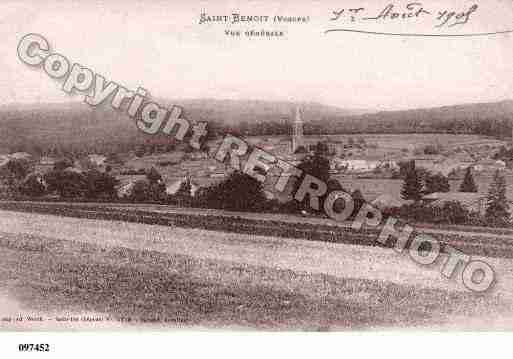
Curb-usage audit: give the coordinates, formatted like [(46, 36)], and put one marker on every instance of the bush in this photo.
[(68, 184), (101, 185)]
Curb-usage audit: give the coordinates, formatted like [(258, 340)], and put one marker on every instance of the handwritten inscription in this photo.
[(413, 10)]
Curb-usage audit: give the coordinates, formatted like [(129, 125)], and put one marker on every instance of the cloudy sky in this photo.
[(161, 46)]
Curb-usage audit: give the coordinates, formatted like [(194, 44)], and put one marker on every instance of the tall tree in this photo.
[(157, 187), (412, 185), (497, 210), (468, 184), (316, 165)]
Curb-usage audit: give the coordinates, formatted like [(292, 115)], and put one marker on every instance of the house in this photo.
[(217, 175), (173, 187), (449, 165), (21, 156), (356, 165), (489, 165), (124, 190), (97, 160), (45, 164), (367, 164), (385, 201), (4, 159), (126, 183)]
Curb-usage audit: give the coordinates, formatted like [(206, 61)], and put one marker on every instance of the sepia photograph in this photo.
[(263, 166)]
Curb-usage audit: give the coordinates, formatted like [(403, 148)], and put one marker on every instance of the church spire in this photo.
[(297, 134)]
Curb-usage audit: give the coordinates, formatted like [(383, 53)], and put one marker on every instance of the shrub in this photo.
[(451, 212), (140, 191)]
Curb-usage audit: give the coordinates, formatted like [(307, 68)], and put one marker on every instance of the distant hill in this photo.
[(79, 126), (494, 119)]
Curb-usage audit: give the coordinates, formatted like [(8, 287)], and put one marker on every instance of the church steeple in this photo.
[(297, 134)]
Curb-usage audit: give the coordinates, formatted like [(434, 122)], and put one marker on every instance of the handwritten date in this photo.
[(413, 10)]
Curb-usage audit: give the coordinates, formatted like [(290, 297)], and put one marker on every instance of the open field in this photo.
[(486, 241), (372, 188), (169, 276)]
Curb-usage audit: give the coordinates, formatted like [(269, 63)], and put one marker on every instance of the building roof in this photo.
[(389, 201), (454, 196), (472, 201)]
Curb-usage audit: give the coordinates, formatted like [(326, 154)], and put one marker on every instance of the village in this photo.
[(368, 163)]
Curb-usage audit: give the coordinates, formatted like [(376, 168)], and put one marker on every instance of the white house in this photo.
[(489, 165), (173, 187), (361, 165), (357, 165)]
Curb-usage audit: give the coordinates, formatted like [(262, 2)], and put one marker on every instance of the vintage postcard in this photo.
[(263, 166)]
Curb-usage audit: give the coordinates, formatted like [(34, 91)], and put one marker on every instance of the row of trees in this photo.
[(418, 182)]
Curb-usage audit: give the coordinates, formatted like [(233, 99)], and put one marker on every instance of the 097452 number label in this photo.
[(34, 347)]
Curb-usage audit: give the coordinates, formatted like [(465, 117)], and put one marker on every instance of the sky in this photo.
[(160, 46)]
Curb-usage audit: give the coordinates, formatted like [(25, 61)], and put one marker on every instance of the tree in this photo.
[(468, 184), (154, 176), (497, 209), (19, 168), (316, 165), (239, 192), (184, 194), (412, 185), (436, 183)]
